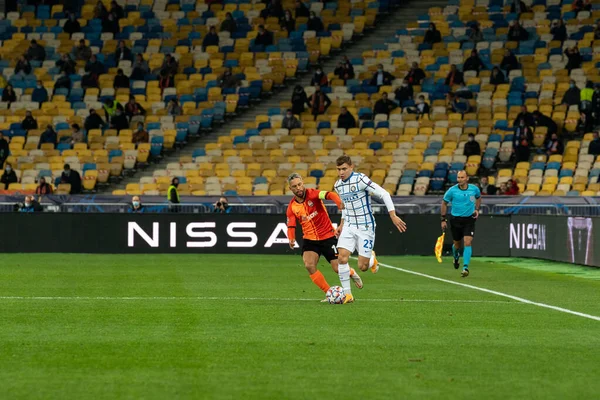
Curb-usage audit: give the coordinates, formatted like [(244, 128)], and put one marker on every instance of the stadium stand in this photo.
[(160, 55)]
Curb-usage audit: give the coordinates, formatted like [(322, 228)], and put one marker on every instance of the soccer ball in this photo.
[(335, 295)]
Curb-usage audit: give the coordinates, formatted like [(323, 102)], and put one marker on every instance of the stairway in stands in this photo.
[(397, 19)]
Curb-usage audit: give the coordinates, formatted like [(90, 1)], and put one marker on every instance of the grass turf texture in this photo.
[(195, 347)]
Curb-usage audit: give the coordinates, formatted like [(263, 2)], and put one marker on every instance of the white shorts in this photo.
[(361, 240)]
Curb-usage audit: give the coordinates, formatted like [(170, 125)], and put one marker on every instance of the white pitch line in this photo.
[(241, 299), (508, 296)]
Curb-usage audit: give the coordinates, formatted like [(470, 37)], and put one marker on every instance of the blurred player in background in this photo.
[(465, 200), (318, 232), (357, 228)]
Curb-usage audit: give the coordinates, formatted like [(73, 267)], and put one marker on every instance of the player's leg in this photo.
[(457, 235), (346, 245), (468, 232), (456, 253), (310, 256), (330, 252), (366, 242)]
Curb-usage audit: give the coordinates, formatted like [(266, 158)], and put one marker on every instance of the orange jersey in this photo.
[(312, 215)]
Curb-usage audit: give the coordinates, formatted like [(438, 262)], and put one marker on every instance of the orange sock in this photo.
[(352, 271), (320, 281)]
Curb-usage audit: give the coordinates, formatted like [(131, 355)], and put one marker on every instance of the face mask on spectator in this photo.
[(27, 204), (8, 169), (136, 204)]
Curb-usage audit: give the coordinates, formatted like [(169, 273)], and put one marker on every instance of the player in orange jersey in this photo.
[(318, 232)]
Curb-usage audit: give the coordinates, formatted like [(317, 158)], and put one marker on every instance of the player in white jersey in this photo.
[(357, 228)]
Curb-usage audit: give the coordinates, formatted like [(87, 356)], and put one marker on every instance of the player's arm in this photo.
[(291, 227), (477, 203), (378, 191), (338, 231), (325, 195), (444, 209)]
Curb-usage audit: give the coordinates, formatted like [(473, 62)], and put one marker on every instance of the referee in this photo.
[(465, 200)]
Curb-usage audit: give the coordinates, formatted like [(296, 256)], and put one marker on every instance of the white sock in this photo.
[(344, 273), (372, 260)]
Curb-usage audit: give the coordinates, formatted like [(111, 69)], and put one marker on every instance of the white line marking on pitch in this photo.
[(508, 296), (240, 299)]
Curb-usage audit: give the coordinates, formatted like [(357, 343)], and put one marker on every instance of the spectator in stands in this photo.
[(35, 52), (522, 140), (475, 34), (319, 102), (100, 11), (43, 188), (30, 205), (9, 176), (117, 10), (66, 64), (39, 94), (585, 124), (586, 98), (472, 147), (347, 71), (512, 188), (457, 104), (454, 77), (542, 120), (82, 52), (518, 7), (319, 78), (93, 121), (134, 109), (559, 31), (497, 77), (72, 26), (222, 206), (381, 77), (464, 92), (166, 80), (502, 190), (299, 99), (384, 105), (123, 53), (140, 135), (301, 9), (485, 187), (264, 37), (110, 25), (173, 196), (516, 33), (345, 119), (77, 136), (524, 115), (93, 66), (211, 38), (139, 68), (580, 5), (121, 80), (473, 63), (432, 35), (136, 205), (415, 74), (597, 31), (594, 147), (596, 105), (404, 92), (63, 82), (228, 24), (290, 121), (421, 108), (29, 122), (273, 9), (119, 120), (4, 150), (572, 96), (71, 177), (48, 136), (170, 64), (314, 23), (8, 95), (509, 61), (228, 80), (554, 146), (288, 22), (574, 57), (23, 67), (173, 108)]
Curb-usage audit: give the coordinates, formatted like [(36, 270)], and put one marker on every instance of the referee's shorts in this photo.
[(461, 227)]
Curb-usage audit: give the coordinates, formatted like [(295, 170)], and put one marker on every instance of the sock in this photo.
[(468, 252), (455, 252), (319, 280), (372, 260), (344, 273), (352, 271)]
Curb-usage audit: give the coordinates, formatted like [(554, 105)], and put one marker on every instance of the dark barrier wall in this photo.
[(568, 239), (209, 233)]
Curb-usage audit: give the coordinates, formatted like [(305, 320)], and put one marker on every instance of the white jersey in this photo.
[(355, 194)]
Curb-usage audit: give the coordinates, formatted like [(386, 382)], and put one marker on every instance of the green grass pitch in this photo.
[(252, 327)]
